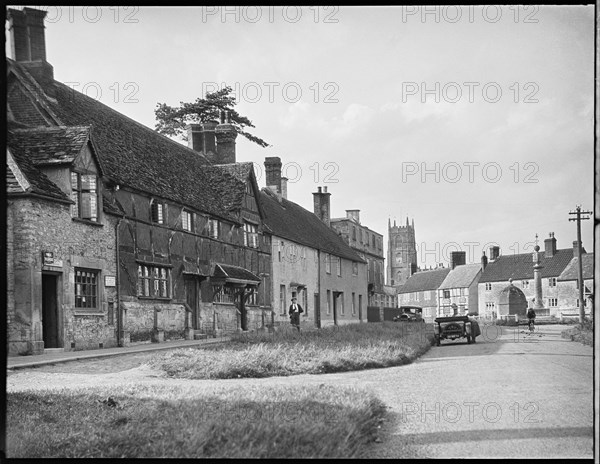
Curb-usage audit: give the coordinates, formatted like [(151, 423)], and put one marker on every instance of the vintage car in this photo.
[(453, 327), (410, 314)]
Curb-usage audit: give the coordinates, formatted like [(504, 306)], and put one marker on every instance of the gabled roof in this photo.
[(132, 154), (291, 221), (519, 267), (571, 272), (22, 178), (461, 276), (49, 145), (424, 280), (235, 177)]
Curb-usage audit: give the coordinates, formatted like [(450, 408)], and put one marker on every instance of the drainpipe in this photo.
[(119, 308), (319, 285)]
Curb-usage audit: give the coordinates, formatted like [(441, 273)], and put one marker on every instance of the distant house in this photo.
[(369, 246), (519, 268), (459, 288), (310, 260), (421, 289), (568, 286)]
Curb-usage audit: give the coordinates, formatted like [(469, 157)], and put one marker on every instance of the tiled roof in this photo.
[(37, 181), (134, 155), (291, 221), (461, 276), (232, 178), (424, 280), (571, 272), (520, 266), (49, 145)]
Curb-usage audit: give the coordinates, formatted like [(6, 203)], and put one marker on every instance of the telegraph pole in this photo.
[(580, 215)]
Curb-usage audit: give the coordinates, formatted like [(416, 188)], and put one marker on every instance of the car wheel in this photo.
[(468, 339)]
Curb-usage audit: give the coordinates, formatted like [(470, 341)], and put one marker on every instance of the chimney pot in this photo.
[(225, 134)]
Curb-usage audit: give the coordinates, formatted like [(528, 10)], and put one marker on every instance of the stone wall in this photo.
[(35, 226)]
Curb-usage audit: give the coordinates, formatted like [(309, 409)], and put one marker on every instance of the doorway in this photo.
[(191, 284), (50, 319), (335, 307)]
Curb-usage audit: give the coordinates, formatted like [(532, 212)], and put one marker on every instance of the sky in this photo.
[(475, 122)]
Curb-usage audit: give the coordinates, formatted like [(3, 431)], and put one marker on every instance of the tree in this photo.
[(172, 120)]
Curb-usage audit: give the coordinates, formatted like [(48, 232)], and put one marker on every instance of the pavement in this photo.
[(54, 357)]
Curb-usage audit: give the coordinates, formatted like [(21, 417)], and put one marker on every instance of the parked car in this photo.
[(410, 314), (453, 327)]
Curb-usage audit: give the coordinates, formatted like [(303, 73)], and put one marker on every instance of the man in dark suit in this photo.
[(294, 312)]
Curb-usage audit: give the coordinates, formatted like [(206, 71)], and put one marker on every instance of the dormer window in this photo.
[(84, 192), (213, 228), (157, 212)]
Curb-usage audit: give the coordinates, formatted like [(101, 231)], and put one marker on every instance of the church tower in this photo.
[(402, 253)]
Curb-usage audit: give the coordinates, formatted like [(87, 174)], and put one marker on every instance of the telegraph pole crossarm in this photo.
[(579, 216)]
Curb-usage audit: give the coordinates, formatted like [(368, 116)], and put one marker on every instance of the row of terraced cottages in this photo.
[(117, 234)]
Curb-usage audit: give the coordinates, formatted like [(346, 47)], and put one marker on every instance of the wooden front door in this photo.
[(50, 311), (192, 299)]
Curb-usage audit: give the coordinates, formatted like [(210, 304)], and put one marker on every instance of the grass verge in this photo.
[(182, 422), (583, 333), (333, 349)]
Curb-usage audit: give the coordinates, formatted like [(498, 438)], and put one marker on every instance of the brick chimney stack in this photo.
[(201, 138), (321, 204), (29, 44), (225, 134), (484, 262), (457, 258), (273, 173), (550, 246), (494, 253), (353, 214)]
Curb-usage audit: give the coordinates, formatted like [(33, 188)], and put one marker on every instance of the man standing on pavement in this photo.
[(294, 312)]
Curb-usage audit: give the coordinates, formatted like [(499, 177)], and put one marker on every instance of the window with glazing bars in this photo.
[(86, 288)]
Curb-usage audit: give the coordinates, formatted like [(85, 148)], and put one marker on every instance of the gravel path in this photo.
[(506, 396)]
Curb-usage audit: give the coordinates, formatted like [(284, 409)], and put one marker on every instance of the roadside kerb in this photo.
[(18, 362)]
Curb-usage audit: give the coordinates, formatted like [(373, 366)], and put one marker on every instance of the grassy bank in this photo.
[(185, 422), (582, 333), (332, 349)]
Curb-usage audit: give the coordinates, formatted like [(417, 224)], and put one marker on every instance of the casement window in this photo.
[(84, 192), (154, 281), (353, 233), (186, 221), (373, 241), (303, 256), (354, 268), (327, 263), (157, 212), (339, 266), (223, 294), (360, 237), (552, 282), (252, 297), (213, 228), (489, 306), (488, 286), (553, 302), (86, 288), (525, 284), (446, 293), (282, 299), (250, 235), (280, 250)]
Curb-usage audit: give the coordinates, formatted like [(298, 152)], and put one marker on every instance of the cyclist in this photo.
[(531, 317)]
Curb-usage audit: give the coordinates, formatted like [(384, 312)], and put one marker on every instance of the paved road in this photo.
[(509, 395)]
